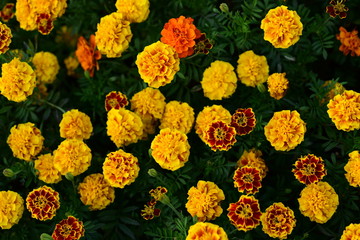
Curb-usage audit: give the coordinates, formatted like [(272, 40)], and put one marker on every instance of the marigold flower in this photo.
[(344, 110), (220, 136), (18, 80), (205, 230), (46, 67), (7, 12), (44, 23), (285, 130), (11, 208), (252, 158), (337, 88), (135, 11), (149, 211), (247, 179), (337, 8), (46, 170), (318, 201), (75, 124), (25, 141), (309, 169), (209, 115), (120, 168), (115, 100), (245, 214), (71, 63), (278, 221), (351, 232), (243, 120), (96, 192), (252, 69), (124, 127), (87, 55), (277, 85), (204, 201), (69, 229), (178, 115), (43, 203), (170, 149), (219, 80), (5, 36), (202, 44), (282, 27), (157, 64), (158, 193), (72, 156), (350, 42), (113, 35), (352, 169)]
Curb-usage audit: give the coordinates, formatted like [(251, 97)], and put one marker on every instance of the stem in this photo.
[(53, 105)]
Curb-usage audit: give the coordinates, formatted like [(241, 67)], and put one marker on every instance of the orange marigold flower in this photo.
[(69, 229), (180, 33), (44, 23), (149, 211), (252, 158), (243, 120), (350, 42), (352, 169), (158, 193), (245, 214), (205, 230), (75, 124), (43, 203), (278, 221), (87, 54), (337, 7), (220, 136), (5, 36), (46, 170), (11, 209), (178, 115), (309, 169), (247, 179), (277, 85), (7, 12), (351, 232), (115, 100)]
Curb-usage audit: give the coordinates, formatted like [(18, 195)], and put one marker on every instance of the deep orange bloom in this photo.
[(309, 169), (158, 193), (44, 23), (337, 7), (87, 55), (7, 12), (247, 179), (243, 120), (115, 100), (180, 33), (245, 214), (43, 203), (220, 136), (69, 229), (350, 42), (149, 211)]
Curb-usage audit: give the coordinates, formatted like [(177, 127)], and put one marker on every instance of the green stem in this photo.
[(53, 105)]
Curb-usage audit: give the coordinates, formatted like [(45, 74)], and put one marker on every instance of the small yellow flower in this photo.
[(5, 36), (351, 232), (252, 69), (71, 63), (46, 67), (135, 11), (46, 170), (352, 169), (11, 208), (75, 124), (178, 115), (277, 85), (206, 230)]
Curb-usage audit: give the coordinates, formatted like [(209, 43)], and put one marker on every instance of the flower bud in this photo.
[(45, 236), (152, 172), (69, 176), (261, 87), (8, 172), (224, 7)]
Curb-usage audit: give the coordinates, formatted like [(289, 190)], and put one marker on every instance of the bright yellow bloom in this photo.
[(113, 35), (120, 168), (46, 67), (285, 130), (123, 127), (344, 110), (282, 27), (351, 232), (277, 85), (170, 149), (204, 201), (219, 80), (252, 158), (71, 63), (5, 36), (158, 64), (43, 203), (135, 11), (178, 115), (18, 80), (75, 124), (352, 169), (72, 156), (25, 141), (206, 231), (318, 201), (252, 69), (46, 170), (96, 192), (11, 208)]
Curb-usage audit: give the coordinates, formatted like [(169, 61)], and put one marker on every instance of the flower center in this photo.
[(65, 230), (248, 178), (309, 169), (244, 210), (241, 119), (339, 6), (219, 134), (112, 103), (40, 202)]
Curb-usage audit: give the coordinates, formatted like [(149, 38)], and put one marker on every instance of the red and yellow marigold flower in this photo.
[(69, 229), (158, 193), (309, 169), (337, 8), (87, 54), (352, 169), (252, 158), (46, 170), (350, 42), (43, 203), (351, 232), (247, 179), (252, 69), (202, 44), (220, 136), (205, 230), (243, 120), (149, 211), (5, 36), (11, 208), (75, 124), (7, 12), (115, 100), (44, 23), (277, 85)]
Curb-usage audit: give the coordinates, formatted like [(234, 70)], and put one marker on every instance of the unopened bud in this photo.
[(224, 7), (69, 176), (45, 236), (165, 200), (8, 172), (152, 172), (261, 87)]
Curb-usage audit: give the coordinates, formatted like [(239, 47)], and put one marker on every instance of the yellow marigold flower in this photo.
[(69, 229), (120, 168), (252, 158), (158, 193), (135, 11), (11, 208), (204, 201), (7, 12), (205, 230), (278, 221), (178, 115), (170, 149), (352, 169), (336, 88), (43, 203), (209, 115), (25, 141), (18, 80), (5, 36), (318, 201), (46, 67), (277, 85), (158, 64), (72, 156), (344, 110), (282, 27), (75, 124), (71, 63), (123, 127), (96, 192), (46, 170), (285, 130), (351, 232), (113, 35)]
